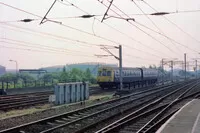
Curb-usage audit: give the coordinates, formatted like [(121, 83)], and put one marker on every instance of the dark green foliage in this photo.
[(64, 69), (48, 77), (26, 80), (77, 75), (25, 77), (8, 77)]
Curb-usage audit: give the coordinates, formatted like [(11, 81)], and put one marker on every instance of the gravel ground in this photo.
[(18, 120)]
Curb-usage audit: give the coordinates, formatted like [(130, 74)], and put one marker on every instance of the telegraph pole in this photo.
[(185, 64), (120, 67), (106, 48)]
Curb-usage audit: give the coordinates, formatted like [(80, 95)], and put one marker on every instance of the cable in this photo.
[(173, 22), (70, 27), (90, 46), (42, 46), (144, 31), (53, 48), (136, 26), (154, 24), (53, 35), (166, 37), (82, 31), (119, 32), (49, 50), (88, 33), (138, 57)]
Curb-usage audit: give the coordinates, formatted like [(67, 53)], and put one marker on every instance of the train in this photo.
[(109, 77)]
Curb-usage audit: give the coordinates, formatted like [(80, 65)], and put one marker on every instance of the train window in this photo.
[(104, 73), (108, 73), (99, 73)]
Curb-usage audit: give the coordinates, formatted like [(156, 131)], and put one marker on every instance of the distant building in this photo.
[(2, 70)]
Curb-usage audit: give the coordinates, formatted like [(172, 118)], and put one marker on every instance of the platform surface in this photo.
[(186, 120)]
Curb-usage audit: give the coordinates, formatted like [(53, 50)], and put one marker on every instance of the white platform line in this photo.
[(195, 126)]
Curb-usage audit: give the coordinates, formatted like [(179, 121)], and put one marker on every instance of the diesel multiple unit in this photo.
[(109, 77)]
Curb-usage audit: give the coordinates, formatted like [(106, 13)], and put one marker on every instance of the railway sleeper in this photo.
[(52, 124), (60, 121)]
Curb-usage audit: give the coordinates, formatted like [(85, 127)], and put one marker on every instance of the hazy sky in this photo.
[(35, 46)]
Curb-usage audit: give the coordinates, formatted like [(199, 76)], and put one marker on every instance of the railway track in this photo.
[(74, 120), (29, 99), (7, 97), (23, 100), (149, 118)]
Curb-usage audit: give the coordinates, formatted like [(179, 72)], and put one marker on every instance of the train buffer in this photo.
[(186, 120)]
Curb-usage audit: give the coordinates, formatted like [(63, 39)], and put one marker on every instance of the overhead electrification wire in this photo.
[(167, 13), (99, 15), (42, 46), (55, 49), (173, 22), (120, 33), (136, 25), (67, 26), (166, 36), (53, 35), (155, 25), (45, 49), (79, 30), (144, 31)]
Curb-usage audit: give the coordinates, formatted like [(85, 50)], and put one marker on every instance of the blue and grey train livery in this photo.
[(108, 77)]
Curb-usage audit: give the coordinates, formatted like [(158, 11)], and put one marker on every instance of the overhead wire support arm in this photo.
[(44, 18), (107, 11), (106, 48)]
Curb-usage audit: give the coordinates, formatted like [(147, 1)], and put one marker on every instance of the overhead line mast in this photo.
[(119, 58)]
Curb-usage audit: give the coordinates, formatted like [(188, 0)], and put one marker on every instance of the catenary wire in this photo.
[(163, 35), (136, 26), (120, 32), (173, 22), (42, 46), (84, 32), (155, 24)]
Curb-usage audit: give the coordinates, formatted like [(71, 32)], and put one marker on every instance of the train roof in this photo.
[(127, 68)]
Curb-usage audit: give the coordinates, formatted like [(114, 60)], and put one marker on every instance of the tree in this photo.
[(64, 77), (87, 74), (76, 75), (26, 78), (8, 77), (48, 77), (64, 69)]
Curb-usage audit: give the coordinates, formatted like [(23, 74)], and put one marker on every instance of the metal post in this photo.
[(162, 65), (42, 21), (185, 64), (16, 67), (196, 68), (172, 70), (120, 67)]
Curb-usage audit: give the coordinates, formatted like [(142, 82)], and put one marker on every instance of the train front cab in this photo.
[(105, 77)]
